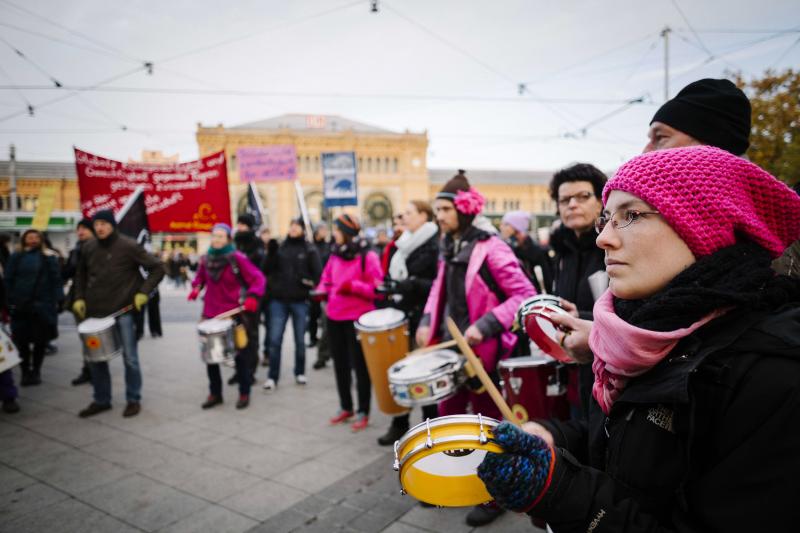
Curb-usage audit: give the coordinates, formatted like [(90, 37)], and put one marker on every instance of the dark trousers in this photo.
[(265, 321), (428, 411), (31, 340), (153, 317), (242, 370), (8, 391), (250, 353), (347, 358), (314, 314)]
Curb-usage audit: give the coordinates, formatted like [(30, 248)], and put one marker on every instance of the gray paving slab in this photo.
[(214, 518), (12, 480), (68, 516), (132, 451), (264, 499), (311, 475), (145, 503), (28, 499), (248, 457), (74, 471)]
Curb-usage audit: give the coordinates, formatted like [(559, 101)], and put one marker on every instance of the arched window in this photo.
[(232, 163), (394, 165), (360, 164), (316, 163), (386, 165), (308, 163), (369, 164)]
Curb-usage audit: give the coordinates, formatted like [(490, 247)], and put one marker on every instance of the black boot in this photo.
[(36, 377), (10, 406), (83, 377), (392, 435), (233, 380), (27, 378), (483, 514)]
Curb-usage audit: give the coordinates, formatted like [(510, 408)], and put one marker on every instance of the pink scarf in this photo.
[(622, 351)]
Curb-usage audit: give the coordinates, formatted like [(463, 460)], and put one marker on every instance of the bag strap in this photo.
[(234, 264)]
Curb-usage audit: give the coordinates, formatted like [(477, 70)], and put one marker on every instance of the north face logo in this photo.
[(662, 417)]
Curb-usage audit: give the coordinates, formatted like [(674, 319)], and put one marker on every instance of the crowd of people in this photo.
[(683, 394)]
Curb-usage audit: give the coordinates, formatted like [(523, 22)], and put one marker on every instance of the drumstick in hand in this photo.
[(434, 347), (477, 366)]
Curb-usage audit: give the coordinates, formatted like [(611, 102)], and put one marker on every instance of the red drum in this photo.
[(535, 387), (534, 315)]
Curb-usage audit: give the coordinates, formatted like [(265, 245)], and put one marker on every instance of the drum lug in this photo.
[(482, 437), (396, 464), (403, 492), (428, 440)]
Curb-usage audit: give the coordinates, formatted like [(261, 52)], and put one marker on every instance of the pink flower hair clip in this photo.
[(469, 202)]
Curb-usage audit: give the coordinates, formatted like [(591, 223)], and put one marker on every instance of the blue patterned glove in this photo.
[(518, 478)]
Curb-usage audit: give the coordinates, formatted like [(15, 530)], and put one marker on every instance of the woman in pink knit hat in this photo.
[(696, 400)]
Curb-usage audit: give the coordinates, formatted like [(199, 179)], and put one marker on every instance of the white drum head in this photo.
[(419, 367), (95, 325), (380, 319), (464, 463), (527, 362), (211, 326)]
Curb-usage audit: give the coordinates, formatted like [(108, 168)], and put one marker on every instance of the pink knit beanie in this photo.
[(712, 198)]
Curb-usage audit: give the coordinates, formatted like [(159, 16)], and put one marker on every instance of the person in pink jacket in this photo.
[(480, 285), (348, 282), (230, 280)]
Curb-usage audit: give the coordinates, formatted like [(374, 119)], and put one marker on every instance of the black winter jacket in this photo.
[(708, 440), (532, 255), (422, 265), (576, 260), (292, 270)]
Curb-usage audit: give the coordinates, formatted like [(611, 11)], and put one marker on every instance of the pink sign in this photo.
[(277, 162)]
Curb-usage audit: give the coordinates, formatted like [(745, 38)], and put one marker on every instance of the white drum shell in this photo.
[(100, 338), (217, 344)]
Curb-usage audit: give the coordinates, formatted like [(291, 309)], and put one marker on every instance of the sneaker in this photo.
[(10, 406), (270, 385), (244, 401), (361, 423), (391, 436), (300, 379), (319, 363), (93, 409), (132, 409), (483, 514), (211, 401), (341, 416)]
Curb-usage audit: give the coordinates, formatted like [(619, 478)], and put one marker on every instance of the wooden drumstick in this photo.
[(434, 347), (230, 313), (477, 366)]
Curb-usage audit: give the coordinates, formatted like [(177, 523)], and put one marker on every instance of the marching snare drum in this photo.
[(425, 379), (217, 343), (384, 340), (101, 339), (438, 459), (535, 387)]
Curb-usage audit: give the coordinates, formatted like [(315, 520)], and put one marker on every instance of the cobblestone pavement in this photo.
[(276, 466)]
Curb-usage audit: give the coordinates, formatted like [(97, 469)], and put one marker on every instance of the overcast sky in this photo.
[(451, 67)]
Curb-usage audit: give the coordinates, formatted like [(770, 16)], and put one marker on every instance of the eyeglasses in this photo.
[(581, 197), (621, 219)]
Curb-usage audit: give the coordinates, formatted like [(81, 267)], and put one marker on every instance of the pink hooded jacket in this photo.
[(343, 306), (507, 273), (223, 294)]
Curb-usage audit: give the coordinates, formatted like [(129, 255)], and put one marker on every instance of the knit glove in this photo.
[(194, 294), (139, 300), (251, 304), (79, 308), (518, 478)]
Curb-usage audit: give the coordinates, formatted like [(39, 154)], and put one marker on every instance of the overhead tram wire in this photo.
[(691, 29), (785, 53), (280, 26), (32, 63), (28, 104)]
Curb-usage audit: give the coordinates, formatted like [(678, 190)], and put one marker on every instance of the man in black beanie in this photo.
[(708, 111)]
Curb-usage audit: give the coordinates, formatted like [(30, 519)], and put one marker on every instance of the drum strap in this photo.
[(237, 272)]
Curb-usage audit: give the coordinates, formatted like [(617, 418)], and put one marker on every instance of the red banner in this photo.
[(180, 197)]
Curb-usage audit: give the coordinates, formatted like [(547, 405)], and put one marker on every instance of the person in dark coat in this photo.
[(84, 233), (514, 229), (248, 242), (8, 391), (293, 270), (576, 190), (408, 278), (696, 398), (109, 280), (35, 293), (317, 336), (269, 244)]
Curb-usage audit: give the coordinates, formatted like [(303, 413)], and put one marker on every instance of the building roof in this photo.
[(40, 169), (478, 176), (318, 123)]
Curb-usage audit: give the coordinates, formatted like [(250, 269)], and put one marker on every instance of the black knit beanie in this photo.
[(247, 219), (715, 112), (106, 215), (86, 223)]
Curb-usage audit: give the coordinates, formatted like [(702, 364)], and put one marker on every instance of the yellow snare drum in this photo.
[(438, 459)]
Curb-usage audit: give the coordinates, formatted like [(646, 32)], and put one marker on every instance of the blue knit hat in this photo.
[(224, 227)]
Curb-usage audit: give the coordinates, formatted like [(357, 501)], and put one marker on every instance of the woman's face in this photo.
[(32, 240), (644, 256), (338, 236), (219, 238), (578, 207), (413, 219)]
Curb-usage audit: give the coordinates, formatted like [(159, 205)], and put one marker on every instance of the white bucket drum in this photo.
[(101, 339), (216, 341), (427, 378)]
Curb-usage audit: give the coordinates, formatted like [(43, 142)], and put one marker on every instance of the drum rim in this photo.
[(454, 367), (109, 325), (402, 320), (510, 363), (446, 420)]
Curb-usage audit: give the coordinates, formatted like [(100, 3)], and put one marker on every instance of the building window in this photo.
[(360, 166), (386, 165), (232, 163), (369, 164), (316, 163), (394, 165), (308, 163)]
